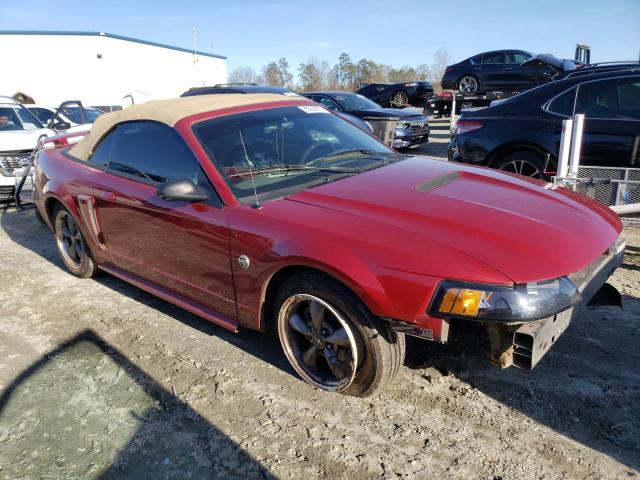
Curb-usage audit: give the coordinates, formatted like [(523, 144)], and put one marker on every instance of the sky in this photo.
[(254, 32)]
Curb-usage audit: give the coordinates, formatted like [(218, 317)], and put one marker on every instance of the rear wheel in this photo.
[(332, 340), (399, 99), (71, 244), (468, 84), (525, 163)]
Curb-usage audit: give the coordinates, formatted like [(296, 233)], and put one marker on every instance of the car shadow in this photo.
[(585, 388), (84, 411)]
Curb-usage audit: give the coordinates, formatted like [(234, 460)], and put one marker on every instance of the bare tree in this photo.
[(244, 75), (441, 59)]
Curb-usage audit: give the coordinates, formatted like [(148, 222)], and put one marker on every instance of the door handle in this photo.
[(108, 196), (508, 68)]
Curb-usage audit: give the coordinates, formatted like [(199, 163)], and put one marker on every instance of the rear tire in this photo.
[(399, 99), (468, 85), (523, 162), (314, 311), (71, 244)]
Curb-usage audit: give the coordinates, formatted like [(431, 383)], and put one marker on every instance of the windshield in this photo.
[(74, 114), (16, 117), (287, 149), (352, 102)]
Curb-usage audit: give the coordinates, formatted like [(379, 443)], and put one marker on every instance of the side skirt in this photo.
[(171, 297)]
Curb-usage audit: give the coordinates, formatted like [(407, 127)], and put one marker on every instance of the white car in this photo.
[(70, 117), (19, 134)]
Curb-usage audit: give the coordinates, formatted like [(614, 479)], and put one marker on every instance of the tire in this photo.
[(366, 355), (399, 99), (468, 84), (523, 162), (71, 245)]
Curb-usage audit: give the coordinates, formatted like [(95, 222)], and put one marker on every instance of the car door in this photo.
[(517, 74), (180, 246), (611, 135), (492, 71)]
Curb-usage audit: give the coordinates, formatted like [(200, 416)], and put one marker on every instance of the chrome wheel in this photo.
[(400, 99), (522, 167), (318, 342), (69, 239), (468, 84)]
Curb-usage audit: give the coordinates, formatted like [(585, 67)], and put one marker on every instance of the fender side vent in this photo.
[(437, 182)]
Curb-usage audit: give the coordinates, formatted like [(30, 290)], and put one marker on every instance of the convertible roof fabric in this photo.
[(169, 112)]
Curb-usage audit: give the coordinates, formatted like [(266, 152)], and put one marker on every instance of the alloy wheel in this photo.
[(400, 99), (522, 167), (69, 239), (468, 84), (318, 342)]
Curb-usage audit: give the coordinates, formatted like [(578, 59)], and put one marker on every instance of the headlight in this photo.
[(402, 125), (412, 84), (520, 303)]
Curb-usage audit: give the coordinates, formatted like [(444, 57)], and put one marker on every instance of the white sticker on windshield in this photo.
[(312, 109)]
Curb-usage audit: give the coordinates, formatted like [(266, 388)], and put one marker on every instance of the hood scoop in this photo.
[(437, 182)]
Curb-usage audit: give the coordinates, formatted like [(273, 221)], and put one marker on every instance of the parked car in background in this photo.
[(502, 70), (272, 213), (410, 128), (244, 88), (398, 95), (69, 117), (19, 134), (522, 134)]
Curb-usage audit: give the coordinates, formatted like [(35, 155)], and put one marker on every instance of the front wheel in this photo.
[(332, 340)]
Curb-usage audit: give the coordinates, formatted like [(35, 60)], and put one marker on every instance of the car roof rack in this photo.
[(235, 84)]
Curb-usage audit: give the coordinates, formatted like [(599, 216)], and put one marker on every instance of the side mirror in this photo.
[(60, 125), (182, 190)]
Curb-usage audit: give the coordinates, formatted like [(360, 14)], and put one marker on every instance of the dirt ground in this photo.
[(101, 380)]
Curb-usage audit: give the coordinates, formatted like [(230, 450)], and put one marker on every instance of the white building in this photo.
[(99, 68)]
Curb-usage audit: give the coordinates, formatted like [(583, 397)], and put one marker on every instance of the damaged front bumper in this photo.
[(523, 343)]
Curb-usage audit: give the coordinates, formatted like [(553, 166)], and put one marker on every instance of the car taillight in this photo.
[(466, 126), (449, 69)]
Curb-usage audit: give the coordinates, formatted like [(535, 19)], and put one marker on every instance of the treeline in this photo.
[(346, 74)]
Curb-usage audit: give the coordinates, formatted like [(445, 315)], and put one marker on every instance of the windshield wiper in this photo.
[(295, 168), (351, 151)]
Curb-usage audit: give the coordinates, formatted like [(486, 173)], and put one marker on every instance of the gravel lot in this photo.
[(101, 380)]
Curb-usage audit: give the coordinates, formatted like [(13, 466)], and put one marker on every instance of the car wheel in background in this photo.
[(71, 244), (526, 163), (331, 338), (468, 84), (399, 99)]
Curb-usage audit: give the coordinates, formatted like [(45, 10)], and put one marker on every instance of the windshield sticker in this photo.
[(312, 109)]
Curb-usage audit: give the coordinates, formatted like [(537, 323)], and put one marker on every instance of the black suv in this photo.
[(522, 134)]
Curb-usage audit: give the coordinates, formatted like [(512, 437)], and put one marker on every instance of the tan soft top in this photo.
[(168, 112)]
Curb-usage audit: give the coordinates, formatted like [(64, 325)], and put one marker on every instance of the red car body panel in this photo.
[(382, 233)]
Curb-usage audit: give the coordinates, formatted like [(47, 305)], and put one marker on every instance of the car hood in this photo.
[(386, 113), (22, 139), (527, 230), (559, 63)]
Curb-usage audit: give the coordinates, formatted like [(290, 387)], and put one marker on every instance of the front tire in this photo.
[(71, 244), (332, 340)]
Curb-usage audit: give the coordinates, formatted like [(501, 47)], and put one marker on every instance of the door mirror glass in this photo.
[(60, 125), (183, 190)]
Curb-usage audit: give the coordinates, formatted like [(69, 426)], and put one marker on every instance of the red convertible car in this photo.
[(273, 213)]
